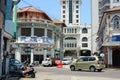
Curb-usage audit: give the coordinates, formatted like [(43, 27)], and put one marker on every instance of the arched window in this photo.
[(116, 22), (84, 30), (84, 39)]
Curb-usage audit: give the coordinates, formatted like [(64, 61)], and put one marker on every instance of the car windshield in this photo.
[(13, 61)]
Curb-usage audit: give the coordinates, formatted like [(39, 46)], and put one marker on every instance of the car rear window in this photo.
[(100, 58)]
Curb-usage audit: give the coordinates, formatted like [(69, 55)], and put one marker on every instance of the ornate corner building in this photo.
[(38, 36), (77, 41)]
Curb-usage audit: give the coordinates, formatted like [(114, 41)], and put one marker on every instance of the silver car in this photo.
[(67, 61)]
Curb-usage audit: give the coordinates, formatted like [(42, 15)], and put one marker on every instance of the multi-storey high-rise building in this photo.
[(70, 11), (77, 39)]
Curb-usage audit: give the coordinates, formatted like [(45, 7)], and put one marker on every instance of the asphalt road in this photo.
[(54, 73)]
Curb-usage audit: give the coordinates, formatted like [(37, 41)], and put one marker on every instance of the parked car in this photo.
[(15, 67), (67, 61), (91, 63), (47, 62), (15, 63), (50, 62)]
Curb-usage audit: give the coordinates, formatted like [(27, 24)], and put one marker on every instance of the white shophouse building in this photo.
[(38, 36), (109, 36)]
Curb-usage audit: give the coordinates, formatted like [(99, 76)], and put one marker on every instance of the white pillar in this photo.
[(109, 56), (52, 52), (7, 59), (1, 50), (45, 53), (32, 56), (32, 31), (18, 54)]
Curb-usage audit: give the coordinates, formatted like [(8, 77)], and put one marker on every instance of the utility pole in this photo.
[(1, 51)]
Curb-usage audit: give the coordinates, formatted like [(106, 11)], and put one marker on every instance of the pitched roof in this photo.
[(117, 8), (56, 21), (32, 9), (29, 9)]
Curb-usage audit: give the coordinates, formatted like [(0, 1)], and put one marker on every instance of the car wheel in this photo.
[(33, 75), (72, 68), (92, 69), (99, 70)]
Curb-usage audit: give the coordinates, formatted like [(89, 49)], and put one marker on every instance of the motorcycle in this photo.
[(28, 71)]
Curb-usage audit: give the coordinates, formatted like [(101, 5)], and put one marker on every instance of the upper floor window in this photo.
[(49, 33), (84, 30), (63, 11), (63, 7), (77, 2), (115, 1), (77, 6), (64, 21), (77, 16), (84, 45), (63, 16), (84, 39), (25, 31), (77, 21), (116, 22), (77, 11), (63, 2), (39, 32)]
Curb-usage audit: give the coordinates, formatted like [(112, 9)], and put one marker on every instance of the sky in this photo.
[(52, 8)]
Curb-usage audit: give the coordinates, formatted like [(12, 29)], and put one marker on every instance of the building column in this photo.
[(32, 56), (7, 58), (109, 56), (1, 50), (44, 53), (18, 54), (52, 48), (32, 30), (52, 52)]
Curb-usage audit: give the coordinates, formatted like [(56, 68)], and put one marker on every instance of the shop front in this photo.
[(33, 52)]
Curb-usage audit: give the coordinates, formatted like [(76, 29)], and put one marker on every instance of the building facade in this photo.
[(6, 34), (70, 11), (98, 8), (77, 39), (109, 37), (95, 23), (38, 36)]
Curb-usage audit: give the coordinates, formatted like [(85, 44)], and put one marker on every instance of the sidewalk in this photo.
[(12, 78), (8, 77)]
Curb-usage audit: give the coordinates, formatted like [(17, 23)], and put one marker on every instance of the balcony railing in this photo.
[(34, 20)]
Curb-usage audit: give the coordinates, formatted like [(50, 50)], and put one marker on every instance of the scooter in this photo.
[(28, 71)]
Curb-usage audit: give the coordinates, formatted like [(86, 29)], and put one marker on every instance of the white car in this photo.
[(47, 62), (67, 61)]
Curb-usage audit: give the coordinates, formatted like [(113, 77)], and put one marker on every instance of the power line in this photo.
[(30, 4)]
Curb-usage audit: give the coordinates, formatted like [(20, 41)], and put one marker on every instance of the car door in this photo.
[(81, 63), (85, 63)]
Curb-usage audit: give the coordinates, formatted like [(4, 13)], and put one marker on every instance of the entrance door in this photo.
[(116, 58), (25, 58), (38, 58)]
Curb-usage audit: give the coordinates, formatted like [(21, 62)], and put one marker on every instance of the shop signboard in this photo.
[(24, 39), (116, 38)]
